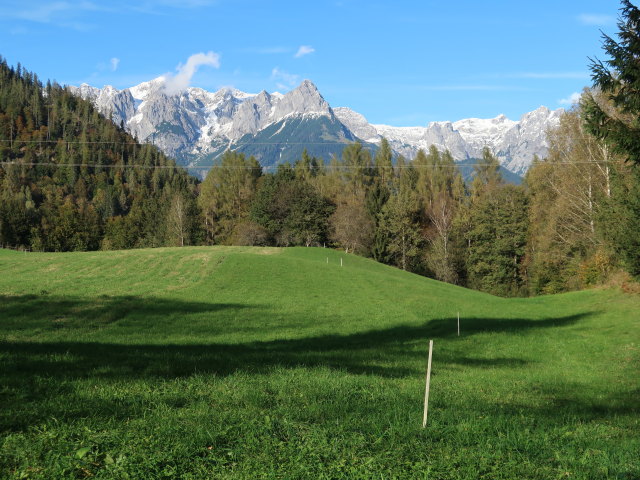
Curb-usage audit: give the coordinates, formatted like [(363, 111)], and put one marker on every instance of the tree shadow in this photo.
[(390, 352), (358, 353), (447, 327), (570, 399), (98, 311), (509, 362)]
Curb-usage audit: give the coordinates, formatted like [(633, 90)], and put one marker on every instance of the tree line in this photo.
[(570, 225), (72, 180)]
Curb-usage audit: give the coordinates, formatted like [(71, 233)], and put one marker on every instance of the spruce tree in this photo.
[(619, 79)]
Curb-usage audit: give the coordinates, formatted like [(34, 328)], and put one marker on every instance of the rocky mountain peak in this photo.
[(263, 96), (309, 86), (304, 99), (195, 123)]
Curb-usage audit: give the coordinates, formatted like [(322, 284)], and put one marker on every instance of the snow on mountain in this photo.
[(357, 124), (408, 140), (141, 91), (86, 91), (527, 138), (513, 142), (195, 124), (480, 132)]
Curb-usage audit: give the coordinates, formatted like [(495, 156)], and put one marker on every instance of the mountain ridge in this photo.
[(195, 125), (513, 142)]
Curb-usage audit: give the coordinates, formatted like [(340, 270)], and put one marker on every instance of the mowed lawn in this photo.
[(249, 363)]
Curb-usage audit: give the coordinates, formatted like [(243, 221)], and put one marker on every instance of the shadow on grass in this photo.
[(447, 327), (374, 352), (564, 399), (36, 370), (43, 310)]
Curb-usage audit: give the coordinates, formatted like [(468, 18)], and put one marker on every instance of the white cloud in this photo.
[(304, 50), (284, 80), (596, 19), (181, 80), (114, 63), (571, 99)]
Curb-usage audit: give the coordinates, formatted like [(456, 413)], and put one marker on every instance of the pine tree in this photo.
[(619, 79), (383, 161), (497, 241), (486, 174), (357, 168), (620, 218)]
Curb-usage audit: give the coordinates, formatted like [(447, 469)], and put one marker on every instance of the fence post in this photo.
[(426, 392)]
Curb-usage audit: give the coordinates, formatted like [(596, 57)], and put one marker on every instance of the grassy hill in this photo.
[(234, 362)]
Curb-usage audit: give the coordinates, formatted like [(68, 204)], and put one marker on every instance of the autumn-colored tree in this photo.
[(352, 226), (226, 194), (567, 191)]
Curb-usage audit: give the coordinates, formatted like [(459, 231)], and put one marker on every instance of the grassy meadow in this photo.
[(256, 363)]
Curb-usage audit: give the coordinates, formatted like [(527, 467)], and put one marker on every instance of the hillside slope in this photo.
[(238, 362), (72, 180)]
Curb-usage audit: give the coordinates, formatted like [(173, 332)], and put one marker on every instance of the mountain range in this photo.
[(196, 126)]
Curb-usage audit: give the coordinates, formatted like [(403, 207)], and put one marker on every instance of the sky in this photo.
[(401, 63)]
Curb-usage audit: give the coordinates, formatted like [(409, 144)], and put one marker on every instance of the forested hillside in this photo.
[(72, 180)]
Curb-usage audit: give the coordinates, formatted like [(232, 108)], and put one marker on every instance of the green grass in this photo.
[(231, 362)]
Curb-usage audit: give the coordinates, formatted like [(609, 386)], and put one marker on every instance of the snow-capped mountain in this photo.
[(514, 143), (195, 126)]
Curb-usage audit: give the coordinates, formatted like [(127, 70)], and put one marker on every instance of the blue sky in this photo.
[(401, 63)]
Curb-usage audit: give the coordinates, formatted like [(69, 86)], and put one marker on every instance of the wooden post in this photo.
[(458, 323), (340, 261), (426, 392)]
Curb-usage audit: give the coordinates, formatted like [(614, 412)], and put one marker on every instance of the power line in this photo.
[(204, 167), (79, 142), (91, 165), (74, 142), (266, 167), (236, 147)]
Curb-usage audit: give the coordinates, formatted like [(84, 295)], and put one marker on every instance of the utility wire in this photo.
[(245, 167), (204, 167), (78, 142)]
